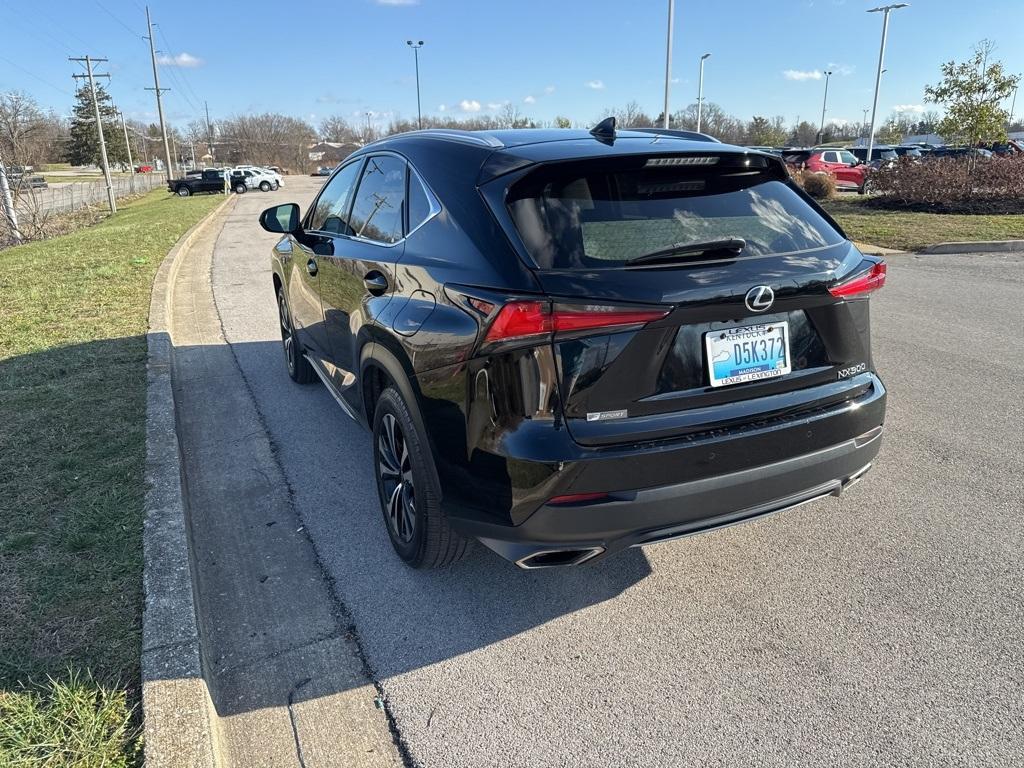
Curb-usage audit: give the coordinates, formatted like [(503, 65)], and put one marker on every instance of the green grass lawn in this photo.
[(909, 231), (73, 319)]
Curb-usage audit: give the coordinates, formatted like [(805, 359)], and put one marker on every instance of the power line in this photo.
[(91, 76), (16, 65), (183, 75), (115, 18)]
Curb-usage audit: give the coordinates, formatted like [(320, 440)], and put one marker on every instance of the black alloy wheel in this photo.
[(299, 367), (394, 468)]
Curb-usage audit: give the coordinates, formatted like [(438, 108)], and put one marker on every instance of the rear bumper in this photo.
[(655, 491), (592, 530)]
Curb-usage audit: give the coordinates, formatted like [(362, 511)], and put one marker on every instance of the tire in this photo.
[(264, 186), (408, 488), (240, 189), (183, 191), (276, 186), (299, 368)]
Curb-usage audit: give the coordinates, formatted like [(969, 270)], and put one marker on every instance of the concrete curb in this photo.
[(983, 246), (178, 713)]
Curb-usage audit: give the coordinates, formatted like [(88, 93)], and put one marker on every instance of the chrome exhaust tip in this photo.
[(558, 558)]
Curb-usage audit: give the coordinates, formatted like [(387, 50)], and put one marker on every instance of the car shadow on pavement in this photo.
[(292, 557)]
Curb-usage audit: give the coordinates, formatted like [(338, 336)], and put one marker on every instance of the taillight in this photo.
[(519, 319), (866, 282)]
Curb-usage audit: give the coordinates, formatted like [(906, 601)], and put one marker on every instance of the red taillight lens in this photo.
[(521, 318), (518, 319), (870, 281)]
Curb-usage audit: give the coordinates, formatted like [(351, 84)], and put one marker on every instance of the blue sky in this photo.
[(312, 59)]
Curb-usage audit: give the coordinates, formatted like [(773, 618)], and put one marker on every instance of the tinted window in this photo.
[(588, 215), (831, 157), (419, 203), (378, 209), (331, 211), (847, 157)]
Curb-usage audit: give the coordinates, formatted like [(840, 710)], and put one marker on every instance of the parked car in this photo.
[(323, 170), (144, 168), (878, 152), (911, 151), (20, 181), (265, 180), (795, 157), (569, 343), (242, 180), (210, 180), (848, 171)]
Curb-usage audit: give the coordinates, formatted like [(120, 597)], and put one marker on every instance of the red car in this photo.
[(143, 168), (849, 172)]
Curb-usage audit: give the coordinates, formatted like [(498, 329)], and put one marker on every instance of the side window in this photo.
[(330, 214), (419, 203), (379, 204), (830, 157), (847, 157)]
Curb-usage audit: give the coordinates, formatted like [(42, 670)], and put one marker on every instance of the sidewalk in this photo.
[(285, 677)]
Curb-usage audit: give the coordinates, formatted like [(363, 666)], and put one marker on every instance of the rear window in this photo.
[(586, 215)]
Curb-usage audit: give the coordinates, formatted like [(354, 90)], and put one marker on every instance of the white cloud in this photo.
[(183, 59), (841, 69), (917, 109), (397, 2), (837, 121), (549, 89), (595, 85), (442, 107), (496, 104), (469, 105), (530, 100), (799, 74)]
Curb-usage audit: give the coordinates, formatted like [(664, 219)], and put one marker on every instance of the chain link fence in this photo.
[(37, 208)]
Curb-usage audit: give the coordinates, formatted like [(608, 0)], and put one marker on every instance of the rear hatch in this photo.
[(713, 273)]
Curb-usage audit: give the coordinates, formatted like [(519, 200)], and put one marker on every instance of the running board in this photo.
[(322, 374)]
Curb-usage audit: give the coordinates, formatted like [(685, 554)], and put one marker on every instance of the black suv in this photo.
[(568, 343)]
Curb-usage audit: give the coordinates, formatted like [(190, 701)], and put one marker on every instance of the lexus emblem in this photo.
[(760, 298)]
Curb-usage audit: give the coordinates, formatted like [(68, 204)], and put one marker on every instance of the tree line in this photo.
[(972, 93)]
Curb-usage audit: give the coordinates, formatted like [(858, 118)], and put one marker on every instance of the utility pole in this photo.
[(824, 104), (885, 10), (209, 135), (99, 124), (700, 91), (8, 204), (416, 52), (159, 101), (128, 147), (668, 59)]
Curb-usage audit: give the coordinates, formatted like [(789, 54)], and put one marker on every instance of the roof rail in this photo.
[(691, 135), (479, 138)]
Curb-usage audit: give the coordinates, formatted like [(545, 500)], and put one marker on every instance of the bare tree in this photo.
[(268, 139), (28, 136)]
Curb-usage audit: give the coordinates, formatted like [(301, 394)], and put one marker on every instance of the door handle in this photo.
[(375, 282), (311, 267)]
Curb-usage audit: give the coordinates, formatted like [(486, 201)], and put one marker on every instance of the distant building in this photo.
[(330, 152)]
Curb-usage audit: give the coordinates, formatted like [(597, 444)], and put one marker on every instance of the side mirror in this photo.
[(281, 219)]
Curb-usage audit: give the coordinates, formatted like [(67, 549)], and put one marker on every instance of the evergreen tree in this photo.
[(84, 146)]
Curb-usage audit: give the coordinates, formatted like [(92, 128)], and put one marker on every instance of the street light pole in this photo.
[(885, 9), (1013, 105), (416, 53), (668, 59), (700, 91), (864, 120), (824, 104)]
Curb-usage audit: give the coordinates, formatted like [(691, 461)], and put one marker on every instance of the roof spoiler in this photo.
[(690, 135)]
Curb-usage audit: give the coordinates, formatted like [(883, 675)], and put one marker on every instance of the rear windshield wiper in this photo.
[(678, 252)]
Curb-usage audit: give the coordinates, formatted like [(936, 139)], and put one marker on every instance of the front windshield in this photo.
[(593, 214)]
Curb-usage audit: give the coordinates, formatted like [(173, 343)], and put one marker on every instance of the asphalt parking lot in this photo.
[(884, 628)]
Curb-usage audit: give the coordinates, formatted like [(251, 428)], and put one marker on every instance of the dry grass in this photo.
[(911, 231), (73, 319)]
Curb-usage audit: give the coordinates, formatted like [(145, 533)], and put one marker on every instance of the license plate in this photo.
[(750, 353)]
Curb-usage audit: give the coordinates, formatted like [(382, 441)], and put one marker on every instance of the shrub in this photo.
[(952, 185), (820, 186)]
